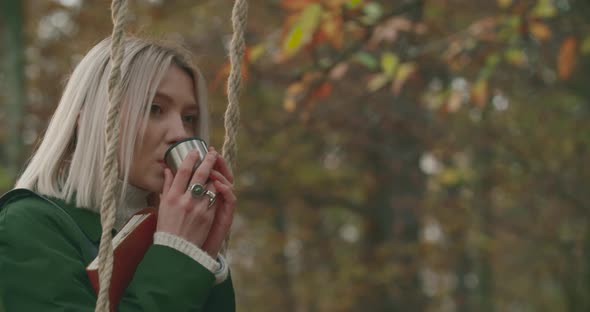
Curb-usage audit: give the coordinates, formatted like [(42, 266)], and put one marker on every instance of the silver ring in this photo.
[(211, 197), (196, 190)]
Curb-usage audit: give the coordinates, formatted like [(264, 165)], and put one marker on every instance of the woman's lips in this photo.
[(162, 163)]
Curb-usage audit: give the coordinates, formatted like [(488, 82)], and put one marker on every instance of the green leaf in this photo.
[(303, 29), (515, 56), (366, 59), (389, 62), (544, 9), (585, 46), (351, 4), (373, 11), (491, 64)]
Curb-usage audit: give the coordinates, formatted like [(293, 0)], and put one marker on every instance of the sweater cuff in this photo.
[(222, 273), (187, 248)]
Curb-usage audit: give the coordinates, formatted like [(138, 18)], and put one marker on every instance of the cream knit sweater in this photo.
[(134, 200)]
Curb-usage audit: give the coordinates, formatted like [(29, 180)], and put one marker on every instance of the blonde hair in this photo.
[(68, 162)]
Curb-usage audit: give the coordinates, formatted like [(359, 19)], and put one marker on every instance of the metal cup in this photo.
[(178, 151)]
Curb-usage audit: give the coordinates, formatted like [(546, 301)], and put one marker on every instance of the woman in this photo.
[(50, 224)]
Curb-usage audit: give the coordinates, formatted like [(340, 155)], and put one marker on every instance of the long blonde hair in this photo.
[(68, 162)]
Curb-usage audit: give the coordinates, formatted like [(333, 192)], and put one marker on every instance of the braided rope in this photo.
[(232, 113), (110, 169)]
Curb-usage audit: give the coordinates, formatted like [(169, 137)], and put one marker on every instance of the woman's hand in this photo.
[(181, 213), (224, 207)]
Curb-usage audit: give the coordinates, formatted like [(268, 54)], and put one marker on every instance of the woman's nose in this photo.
[(177, 132)]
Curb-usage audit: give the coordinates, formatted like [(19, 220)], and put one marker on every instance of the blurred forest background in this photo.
[(394, 155)]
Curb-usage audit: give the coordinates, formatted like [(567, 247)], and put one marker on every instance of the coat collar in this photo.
[(88, 220)]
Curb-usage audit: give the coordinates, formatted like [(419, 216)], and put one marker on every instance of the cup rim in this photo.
[(180, 142)]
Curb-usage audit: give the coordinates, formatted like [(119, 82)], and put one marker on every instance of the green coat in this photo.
[(46, 243)]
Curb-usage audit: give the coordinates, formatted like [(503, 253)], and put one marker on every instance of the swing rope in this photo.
[(232, 113), (110, 169), (110, 165)]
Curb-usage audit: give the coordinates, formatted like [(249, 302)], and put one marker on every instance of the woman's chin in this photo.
[(150, 185)]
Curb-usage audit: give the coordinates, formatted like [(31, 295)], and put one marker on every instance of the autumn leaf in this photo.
[(566, 59), (322, 91), (366, 59), (223, 73), (302, 30), (585, 46), (334, 4), (540, 30), (515, 57), (544, 9), (479, 92), (389, 62), (331, 29), (351, 4), (256, 52), (504, 3), (294, 93), (296, 4), (373, 11), (377, 82), (338, 71), (404, 72), (454, 102)]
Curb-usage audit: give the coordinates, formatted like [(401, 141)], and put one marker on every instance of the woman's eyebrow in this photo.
[(163, 96), (168, 99)]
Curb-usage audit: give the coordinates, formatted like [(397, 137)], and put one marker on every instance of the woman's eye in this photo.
[(155, 109), (189, 118)]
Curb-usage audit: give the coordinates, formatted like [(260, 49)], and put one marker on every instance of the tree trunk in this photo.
[(12, 14), (391, 217), (283, 279)]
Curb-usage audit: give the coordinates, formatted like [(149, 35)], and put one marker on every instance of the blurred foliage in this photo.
[(394, 155)]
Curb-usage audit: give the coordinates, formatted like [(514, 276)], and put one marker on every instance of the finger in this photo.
[(227, 193), (217, 176), (183, 175), (225, 210), (222, 166), (202, 202), (167, 180), (204, 169)]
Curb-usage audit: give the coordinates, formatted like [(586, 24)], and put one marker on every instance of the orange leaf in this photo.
[(331, 27), (504, 3), (322, 91), (296, 4), (479, 93), (541, 31), (294, 94), (220, 76), (566, 60)]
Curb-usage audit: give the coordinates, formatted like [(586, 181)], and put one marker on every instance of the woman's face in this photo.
[(173, 117)]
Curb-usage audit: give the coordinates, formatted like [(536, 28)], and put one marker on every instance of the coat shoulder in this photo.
[(19, 203)]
